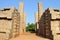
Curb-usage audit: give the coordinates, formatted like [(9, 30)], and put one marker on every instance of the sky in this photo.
[(30, 6)]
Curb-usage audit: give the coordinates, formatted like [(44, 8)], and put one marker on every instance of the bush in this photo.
[(30, 27)]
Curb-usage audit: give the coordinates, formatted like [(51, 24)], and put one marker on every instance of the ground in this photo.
[(29, 36)]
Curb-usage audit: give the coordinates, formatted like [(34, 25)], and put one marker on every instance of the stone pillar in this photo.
[(36, 20), (22, 18), (24, 22), (40, 10), (21, 11)]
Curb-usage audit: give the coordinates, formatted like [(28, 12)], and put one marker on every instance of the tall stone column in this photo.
[(21, 11), (40, 10), (22, 18), (24, 22), (36, 20)]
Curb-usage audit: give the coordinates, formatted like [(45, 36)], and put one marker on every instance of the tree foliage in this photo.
[(30, 27)]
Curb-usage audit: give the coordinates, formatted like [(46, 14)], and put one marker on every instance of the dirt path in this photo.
[(28, 36)]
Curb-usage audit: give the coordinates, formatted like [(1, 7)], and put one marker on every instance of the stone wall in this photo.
[(49, 23), (9, 23), (12, 22)]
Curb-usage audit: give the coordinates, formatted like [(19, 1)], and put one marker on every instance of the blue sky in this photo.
[(30, 6)]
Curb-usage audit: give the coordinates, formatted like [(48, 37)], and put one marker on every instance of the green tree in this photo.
[(30, 27)]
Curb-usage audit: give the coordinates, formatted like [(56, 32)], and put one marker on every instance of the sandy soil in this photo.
[(29, 36)]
